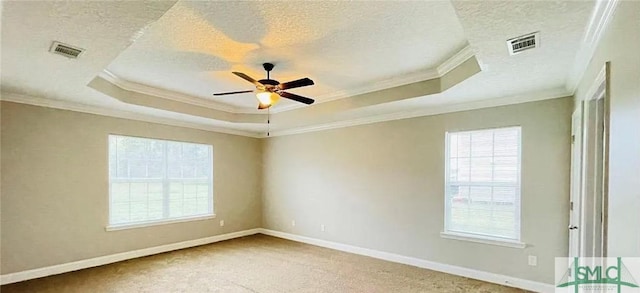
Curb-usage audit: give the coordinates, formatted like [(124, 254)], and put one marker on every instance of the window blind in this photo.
[(483, 183), (152, 180)]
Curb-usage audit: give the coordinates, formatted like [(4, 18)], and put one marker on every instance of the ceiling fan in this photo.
[(269, 91)]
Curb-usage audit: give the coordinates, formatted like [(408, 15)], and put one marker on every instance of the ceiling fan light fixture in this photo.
[(267, 98)]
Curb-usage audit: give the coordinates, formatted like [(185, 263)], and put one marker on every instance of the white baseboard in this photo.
[(445, 268), (107, 259)]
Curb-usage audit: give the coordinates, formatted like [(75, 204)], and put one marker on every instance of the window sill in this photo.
[(157, 223), (484, 240)]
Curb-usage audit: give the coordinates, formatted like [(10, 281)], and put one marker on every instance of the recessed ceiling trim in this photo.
[(84, 108), (426, 87), (170, 95), (150, 101), (600, 18), (451, 63), (455, 60), (375, 86)]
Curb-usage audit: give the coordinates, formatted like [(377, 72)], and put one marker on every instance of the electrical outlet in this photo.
[(322, 227), (533, 260), (293, 223), (221, 223)]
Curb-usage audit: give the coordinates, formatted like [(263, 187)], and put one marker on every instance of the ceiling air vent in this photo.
[(523, 43), (65, 50)]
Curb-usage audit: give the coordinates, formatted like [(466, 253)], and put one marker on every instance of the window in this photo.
[(483, 184), (153, 180)]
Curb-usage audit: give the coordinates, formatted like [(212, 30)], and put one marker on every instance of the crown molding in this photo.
[(600, 18), (97, 110), (428, 111), (170, 95), (454, 61), (381, 85), (596, 83)]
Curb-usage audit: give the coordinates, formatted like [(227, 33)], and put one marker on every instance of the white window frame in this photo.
[(139, 224), (476, 237)]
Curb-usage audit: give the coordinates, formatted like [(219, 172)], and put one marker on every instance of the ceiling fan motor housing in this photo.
[(269, 82)]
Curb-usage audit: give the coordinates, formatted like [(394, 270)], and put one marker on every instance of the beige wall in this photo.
[(621, 46), (381, 186), (54, 186), (378, 186)]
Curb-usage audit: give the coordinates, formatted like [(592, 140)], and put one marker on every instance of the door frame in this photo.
[(589, 196)]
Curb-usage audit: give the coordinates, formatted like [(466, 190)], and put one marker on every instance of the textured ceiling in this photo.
[(191, 47), (103, 28), (488, 24), (340, 45), (534, 74)]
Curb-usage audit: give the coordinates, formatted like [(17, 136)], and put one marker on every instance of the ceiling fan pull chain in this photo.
[(268, 121)]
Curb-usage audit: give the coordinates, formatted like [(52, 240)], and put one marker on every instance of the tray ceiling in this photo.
[(163, 59), (342, 46)]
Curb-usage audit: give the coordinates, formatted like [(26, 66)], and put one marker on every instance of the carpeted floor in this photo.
[(255, 263)]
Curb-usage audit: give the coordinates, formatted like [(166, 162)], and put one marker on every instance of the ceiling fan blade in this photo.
[(296, 83), (296, 98), (249, 79), (232, 93)]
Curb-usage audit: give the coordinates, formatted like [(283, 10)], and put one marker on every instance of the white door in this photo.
[(576, 182)]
